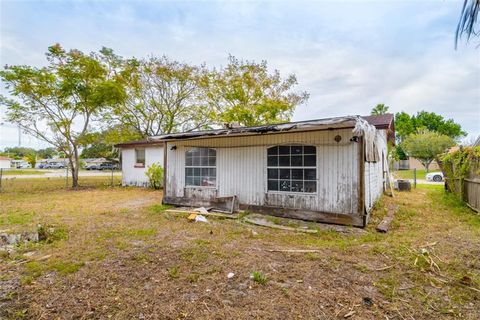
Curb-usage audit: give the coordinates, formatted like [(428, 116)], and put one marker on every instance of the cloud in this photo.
[(348, 55)]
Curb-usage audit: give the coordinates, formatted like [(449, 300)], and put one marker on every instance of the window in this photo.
[(139, 157), (292, 168), (200, 167)]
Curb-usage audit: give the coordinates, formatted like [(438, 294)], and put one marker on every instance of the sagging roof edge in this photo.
[(337, 122)]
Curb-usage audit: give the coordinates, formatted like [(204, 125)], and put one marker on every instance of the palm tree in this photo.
[(379, 109), (468, 23)]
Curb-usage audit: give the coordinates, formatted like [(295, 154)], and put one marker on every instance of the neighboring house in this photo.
[(413, 163), (136, 156), (5, 162), (328, 170)]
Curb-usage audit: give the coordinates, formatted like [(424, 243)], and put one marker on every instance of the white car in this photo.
[(435, 176)]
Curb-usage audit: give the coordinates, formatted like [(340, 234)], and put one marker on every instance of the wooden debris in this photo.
[(265, 223), (293, 250), (384, 225), (210, 214)]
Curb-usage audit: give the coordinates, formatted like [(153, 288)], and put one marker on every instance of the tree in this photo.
[(379, 109), (162, 96), (406, 125), (31, 159), (59, 102), (426, 146), (246, 93), (18, 152), (468, 20), (47, 153)]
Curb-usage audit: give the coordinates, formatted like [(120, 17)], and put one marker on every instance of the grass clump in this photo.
[(259, 278), (173, 272), (159, 208)]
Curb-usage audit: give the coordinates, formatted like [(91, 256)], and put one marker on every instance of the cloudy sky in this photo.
[(349, 55)]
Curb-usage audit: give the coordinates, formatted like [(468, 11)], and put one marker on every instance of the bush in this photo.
[(155, 176)]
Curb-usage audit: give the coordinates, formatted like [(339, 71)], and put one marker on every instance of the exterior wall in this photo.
[(374, 172), (242, 171), (4, 164), (413, 163), (132, 176)]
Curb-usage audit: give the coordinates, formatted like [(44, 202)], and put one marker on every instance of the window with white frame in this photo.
[(139, 157), (292, 168), (200, 167)]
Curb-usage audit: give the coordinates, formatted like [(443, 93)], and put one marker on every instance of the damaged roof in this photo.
[(384, 121)]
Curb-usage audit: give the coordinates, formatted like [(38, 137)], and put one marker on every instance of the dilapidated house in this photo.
[(328, 170)]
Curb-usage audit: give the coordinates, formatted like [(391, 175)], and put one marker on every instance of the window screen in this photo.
[(292, 168), (140, 156), (200, 167)]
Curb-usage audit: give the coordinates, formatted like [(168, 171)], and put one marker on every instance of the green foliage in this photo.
[(458, 164), (66, 95), (259, 277), (31, 159), (246, 93), (47, 153), (406, 125), (379, 109), (18, 152), (162, 96), (155, 176), (426, 146)]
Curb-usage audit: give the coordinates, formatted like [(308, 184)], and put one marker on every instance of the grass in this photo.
[(118, 250), (259, 278), (21, 172), (42, 185), (408, 174)]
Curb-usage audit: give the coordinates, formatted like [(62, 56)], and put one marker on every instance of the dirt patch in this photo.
[(149, 264)]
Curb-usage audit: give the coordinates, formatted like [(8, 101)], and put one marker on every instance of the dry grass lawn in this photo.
[(115, 253)]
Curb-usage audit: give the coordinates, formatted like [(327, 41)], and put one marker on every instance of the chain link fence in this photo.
[(29, 180)]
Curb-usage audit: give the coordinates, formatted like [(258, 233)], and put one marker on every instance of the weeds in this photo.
[(259, 278)]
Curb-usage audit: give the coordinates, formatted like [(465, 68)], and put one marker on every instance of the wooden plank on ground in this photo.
[(384, 225), (209, 214)]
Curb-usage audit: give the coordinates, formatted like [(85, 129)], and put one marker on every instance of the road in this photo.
[(61, 174)]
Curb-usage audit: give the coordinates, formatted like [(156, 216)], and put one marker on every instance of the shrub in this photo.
[(155, 176)]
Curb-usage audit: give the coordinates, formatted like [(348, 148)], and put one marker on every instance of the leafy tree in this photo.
[(59, 102), (406, 125), (31, 159), (467, 23), (47, 153), (426, 146), (163, 96), (379, 109), (18, 152), (246, 93)]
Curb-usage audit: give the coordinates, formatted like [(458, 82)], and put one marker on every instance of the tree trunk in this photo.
[(426, 164), (74, 164)]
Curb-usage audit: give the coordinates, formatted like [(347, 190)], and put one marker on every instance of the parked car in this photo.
[(435, 176), (24, 166), (103, 166), (54, 165)]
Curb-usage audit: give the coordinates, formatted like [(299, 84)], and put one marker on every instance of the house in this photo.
[(327, 170), (5, 162), (413, 163), (136, 156)]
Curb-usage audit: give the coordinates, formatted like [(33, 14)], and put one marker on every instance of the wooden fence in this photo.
[(467, 188)]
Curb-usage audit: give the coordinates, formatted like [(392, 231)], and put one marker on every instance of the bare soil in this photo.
[(124, 257)]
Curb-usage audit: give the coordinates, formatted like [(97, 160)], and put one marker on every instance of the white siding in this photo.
[(374, 172), (242, 162), (4, 164), (132, 176)]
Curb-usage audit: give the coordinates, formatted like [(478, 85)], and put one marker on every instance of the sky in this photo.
[(349, 55)]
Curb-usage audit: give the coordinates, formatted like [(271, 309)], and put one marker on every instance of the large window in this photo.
[(200, 167), (140, 157), (292, 169)]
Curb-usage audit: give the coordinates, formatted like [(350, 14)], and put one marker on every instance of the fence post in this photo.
[(111, 181), (415, 178), (1, 176), (66, 177)]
